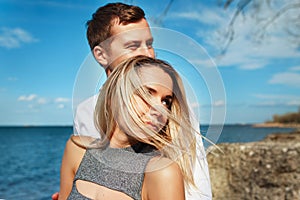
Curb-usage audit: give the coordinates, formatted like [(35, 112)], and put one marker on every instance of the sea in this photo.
[(31, 156)]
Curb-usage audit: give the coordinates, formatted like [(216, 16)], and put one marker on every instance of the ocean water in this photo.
[(31, 157), (30, 161)]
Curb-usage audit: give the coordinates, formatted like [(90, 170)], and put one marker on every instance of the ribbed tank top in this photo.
[(120, 169)]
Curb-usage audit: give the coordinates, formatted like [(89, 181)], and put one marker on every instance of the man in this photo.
[(115, 32), (118, 31)]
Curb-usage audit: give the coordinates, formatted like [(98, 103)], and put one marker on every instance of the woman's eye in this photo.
[(167, 103), (150, 91)]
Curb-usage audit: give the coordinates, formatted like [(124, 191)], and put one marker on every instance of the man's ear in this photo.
[(101, 56)]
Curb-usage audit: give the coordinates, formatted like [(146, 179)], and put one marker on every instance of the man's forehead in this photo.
[(131, 29), (133, 35)]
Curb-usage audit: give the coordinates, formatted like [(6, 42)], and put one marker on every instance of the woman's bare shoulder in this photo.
[(162, 167), (163, 178), (82, 141)]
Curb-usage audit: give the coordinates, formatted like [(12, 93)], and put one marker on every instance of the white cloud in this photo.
[(268, 103), (194, 105), (12, 78), (61, 100), (286, 78), (252, 66), (291, 103), (36, 100), (15, 37), (278, 100), (294, 103), (33, 108), (247, 50), (60, 106), (277, 97), (33, 103), (30, 97), (296, 68), (247, 54), (219, 103), (206, 16), (42, 101)]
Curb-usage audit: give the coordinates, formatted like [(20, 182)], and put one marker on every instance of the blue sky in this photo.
[(43, 45)]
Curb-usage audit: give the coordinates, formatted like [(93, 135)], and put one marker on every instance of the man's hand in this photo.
[(55, 196)]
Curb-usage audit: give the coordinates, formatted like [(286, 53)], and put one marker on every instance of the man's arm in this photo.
[(200, 172), (84, 118), (201, 175)]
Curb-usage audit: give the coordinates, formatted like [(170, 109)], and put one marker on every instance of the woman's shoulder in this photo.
[(83, 142), (163, 178), (162, 167)]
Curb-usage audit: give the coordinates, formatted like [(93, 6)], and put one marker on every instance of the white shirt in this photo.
[(84, 126)]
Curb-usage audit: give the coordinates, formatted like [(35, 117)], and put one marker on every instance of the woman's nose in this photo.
[(154, 110)]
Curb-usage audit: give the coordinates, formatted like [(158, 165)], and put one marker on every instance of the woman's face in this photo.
[(160, 87)]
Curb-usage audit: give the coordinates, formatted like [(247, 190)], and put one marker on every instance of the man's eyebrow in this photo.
[(132, 42)]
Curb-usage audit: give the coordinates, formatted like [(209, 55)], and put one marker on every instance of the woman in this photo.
[(147, 146)]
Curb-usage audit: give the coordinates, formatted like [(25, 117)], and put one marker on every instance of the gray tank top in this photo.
[(120, 169)]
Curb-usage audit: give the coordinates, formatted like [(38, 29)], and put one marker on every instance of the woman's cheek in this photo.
[(140, 105)]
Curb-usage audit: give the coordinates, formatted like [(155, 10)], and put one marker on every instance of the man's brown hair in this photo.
[(99, 27)]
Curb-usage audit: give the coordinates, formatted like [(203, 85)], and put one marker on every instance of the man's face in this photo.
[(129, 40)]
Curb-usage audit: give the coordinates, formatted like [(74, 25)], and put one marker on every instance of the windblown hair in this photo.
[(175, 141), (99, 27)]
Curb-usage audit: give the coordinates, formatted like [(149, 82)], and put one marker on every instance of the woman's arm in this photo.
[(72, 157), (164, 183)]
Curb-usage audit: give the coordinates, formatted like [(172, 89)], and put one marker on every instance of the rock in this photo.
[(268, 169)]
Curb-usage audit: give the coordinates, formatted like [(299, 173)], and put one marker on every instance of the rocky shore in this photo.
[(278, 125), (268, 169)]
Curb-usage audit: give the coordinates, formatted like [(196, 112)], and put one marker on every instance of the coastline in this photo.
[(267, 169), (276, 125)]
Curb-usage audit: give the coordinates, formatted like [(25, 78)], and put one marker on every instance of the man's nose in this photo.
[(146, 51)]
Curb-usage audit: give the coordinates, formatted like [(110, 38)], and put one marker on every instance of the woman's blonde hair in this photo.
[(175, 141)]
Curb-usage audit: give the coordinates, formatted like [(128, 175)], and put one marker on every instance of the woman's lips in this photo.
[(153, 126)]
